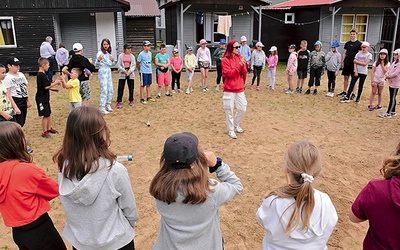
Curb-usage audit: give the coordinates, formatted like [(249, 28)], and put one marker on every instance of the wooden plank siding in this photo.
[(171, 22), (63, 5), (139, 29)]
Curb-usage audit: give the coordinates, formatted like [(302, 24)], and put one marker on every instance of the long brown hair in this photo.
[(13, 143), (193, 182), (391, 165), (86, 139), (109, 47), (301, 157)]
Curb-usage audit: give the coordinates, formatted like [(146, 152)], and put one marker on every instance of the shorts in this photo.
[(145, 79), (43, 108), (163, 79), (74, 105), (302, 73), (84, 90), (348, 68), (204, 65), (190, 74)]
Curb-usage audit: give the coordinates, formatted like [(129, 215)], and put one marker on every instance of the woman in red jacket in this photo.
[(234, 72)]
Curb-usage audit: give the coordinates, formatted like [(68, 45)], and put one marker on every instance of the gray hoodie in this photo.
[(100, 209)]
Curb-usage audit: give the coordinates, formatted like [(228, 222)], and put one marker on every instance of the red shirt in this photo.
[(379, 203), (233, 73), (25, 192)]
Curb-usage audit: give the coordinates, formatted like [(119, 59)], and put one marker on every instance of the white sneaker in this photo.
[(328, 94), (217, 88), (204, 90), (239, 129), (108, 108), (191, 89), (332, 94), (104, 111), (187, 91), (232, 134)]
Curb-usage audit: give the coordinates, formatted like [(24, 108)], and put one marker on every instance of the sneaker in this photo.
[(46, 134), (385, 115), (142, 101), (344, 100), (206, 88), (342, 94), (269, 87), (150, 99), (232, 134), (289, 91), (168, 94), (377, 107), (353, 96), (328, 94), (258, 88), (332, 94), (308, 92), (297, 89), (108, 108), (118, 105), (179, 91), (131, 103), (217, 88), (191, 89), (187, 91), (393, 114), (239, 129), (104, 111), (203, 89), (371, 108), (315, 92), (29, 149), (251, 86), (173, 91), (52, 131), (158, 96), (357, 101)]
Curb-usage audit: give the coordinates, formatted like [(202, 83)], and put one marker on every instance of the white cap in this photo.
[(383, 51), (397, 51), (273, 48), (203, 41), (259, 44), (175, 51), (365, 44), (243, 39), (77, 47)]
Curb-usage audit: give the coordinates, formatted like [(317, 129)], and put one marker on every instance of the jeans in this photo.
[(353, 83)]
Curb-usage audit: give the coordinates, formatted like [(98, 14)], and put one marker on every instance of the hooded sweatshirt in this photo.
[(233, 74), (394, 75), (79, 61), (274, 215), (100, 209), (379, 203), (25, 192)]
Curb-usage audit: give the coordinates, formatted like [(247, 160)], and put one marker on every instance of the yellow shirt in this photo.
[(73, 93), (190, 61)]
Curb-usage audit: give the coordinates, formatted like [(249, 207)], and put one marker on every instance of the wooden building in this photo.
[(27, 23)]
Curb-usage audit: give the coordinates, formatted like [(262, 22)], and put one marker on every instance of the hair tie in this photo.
[(307, 178)]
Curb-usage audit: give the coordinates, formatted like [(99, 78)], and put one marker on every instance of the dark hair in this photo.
[(391, 165), (229, 49), (42, 61), (353, 30), (2, 66), (61, 45), (379, 60), (13, 143), (162, 46), (193, 181), (102, 48), (87, 138)]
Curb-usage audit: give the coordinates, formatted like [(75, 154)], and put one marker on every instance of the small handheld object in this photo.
[(124, 158), (87, 72), (148, 123)]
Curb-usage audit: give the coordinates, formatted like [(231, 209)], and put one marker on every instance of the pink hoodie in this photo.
[(292, 64), (272, 61), (393, 75)]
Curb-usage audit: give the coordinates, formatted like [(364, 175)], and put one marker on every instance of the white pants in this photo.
[(230, 99)]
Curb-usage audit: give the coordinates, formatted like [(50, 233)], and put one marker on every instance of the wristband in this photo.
[(217, 165)]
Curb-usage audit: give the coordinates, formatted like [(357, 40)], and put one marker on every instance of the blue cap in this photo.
[(335, 44), (222, 41)]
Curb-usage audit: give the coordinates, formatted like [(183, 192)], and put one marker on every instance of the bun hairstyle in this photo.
[(303, 163)]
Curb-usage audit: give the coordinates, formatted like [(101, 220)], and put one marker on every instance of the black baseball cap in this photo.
[(12, 61), (180, 150)]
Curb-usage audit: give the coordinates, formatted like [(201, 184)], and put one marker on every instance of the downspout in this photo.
[(395, 33), (334, 12), (259, 22)]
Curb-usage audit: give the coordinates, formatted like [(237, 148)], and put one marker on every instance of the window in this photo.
[(359, 22), (217, 36), (289, 18), (7, 33)]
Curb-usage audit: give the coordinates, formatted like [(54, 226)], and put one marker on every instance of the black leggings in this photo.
[(331, 81), (176, 78), (353, 83), (121, 88), (129, 246), (256, 73), (219, 74), (392, 101)]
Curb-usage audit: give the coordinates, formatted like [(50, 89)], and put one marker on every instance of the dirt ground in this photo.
[(353, 141)]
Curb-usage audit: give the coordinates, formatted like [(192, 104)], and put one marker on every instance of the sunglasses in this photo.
[(236, 47)]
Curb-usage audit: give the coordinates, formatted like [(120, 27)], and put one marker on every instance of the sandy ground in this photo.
[(353, 141)]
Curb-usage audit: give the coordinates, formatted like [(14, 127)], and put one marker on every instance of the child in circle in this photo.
[(257, 64), (190, 64), (272, 61), (203, 61), (378, 79), (393, 75), (291, 68), (176, 69)]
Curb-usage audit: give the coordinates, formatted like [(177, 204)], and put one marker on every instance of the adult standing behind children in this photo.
[(42, 96), (298, 216), (176, 69), (104, 61), (145, 72), (203, 61), (62, 56), (126, 67), (234, 70), (81, 62), (351, 48), (379, 203), (303, 56), (162, 61), (25, 192), (187, 199), (47, 51), (190, 65), (316, 66), (217, 55), (257, 64), (95, 189), (332, 60), (7, 112)]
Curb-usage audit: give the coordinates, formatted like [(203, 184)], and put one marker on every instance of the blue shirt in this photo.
[(245, 52), (162, 59), (144, 59)]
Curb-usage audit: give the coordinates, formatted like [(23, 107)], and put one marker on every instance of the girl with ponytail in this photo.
[(298, 216)]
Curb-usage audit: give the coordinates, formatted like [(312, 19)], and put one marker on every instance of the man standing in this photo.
[(47, 51), (351, 48)]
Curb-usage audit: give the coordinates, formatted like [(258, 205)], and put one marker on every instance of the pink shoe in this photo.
[(258, 88), (118, 106), (131, 103), (251, 86)]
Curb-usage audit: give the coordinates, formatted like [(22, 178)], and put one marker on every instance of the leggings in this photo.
[(121, 88), (353, 83), (256, 73), (219, 74), (176, 77), (331, 81), (392, 101), (315, 76)]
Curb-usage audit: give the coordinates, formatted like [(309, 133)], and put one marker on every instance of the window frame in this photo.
[(289, 18), (361, 35), (9, 18)]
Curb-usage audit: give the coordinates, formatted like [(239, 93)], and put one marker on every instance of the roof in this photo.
[(213, 2), (300, 3), (145, 8)]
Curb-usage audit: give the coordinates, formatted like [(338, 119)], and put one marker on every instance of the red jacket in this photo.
[(234, 74), (25, 192)]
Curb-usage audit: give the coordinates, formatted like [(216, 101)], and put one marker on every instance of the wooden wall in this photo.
[(140, 29)]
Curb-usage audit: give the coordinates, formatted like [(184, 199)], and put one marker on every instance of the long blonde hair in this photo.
[(302, 157)]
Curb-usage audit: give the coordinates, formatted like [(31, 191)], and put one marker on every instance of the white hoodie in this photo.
[(273, 217), (100, 208)]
